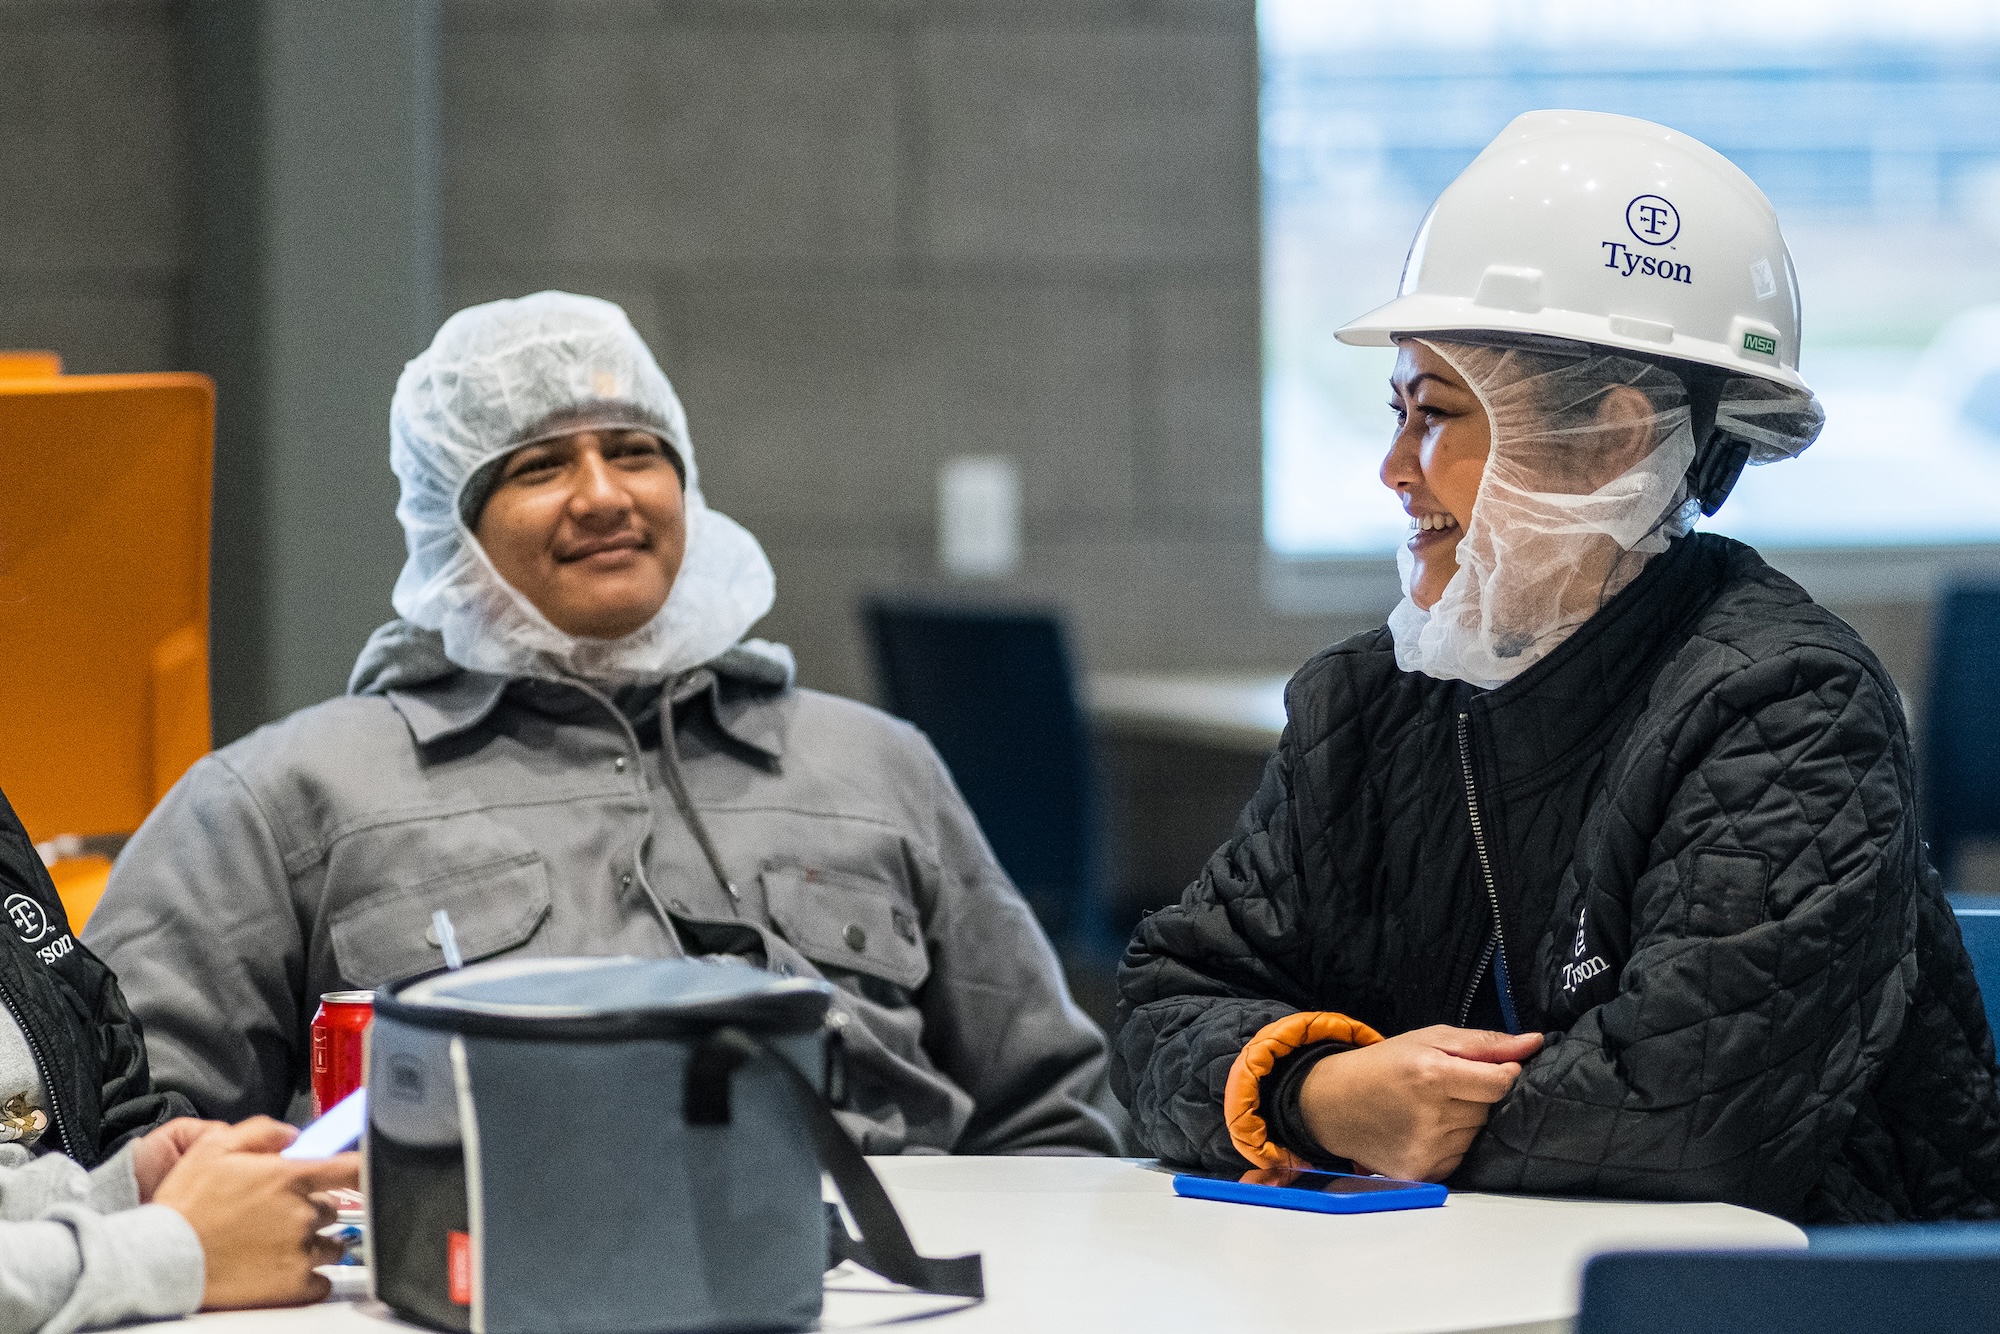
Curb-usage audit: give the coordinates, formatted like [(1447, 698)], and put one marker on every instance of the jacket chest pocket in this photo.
[(848, 921), (495, 906)]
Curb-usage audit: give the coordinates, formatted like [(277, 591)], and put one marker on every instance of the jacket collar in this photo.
[(736, 706), (437, 710), (441, 709), (1571, 699)]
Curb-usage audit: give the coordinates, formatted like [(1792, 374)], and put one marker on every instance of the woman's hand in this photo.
[(156, 1153), (258, 1215), (1410, 1105)]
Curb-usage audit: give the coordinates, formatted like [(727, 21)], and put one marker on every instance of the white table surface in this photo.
[(1231, 710), (1104, 1245)]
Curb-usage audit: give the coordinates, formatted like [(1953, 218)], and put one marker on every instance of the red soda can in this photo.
[(337, 1050)]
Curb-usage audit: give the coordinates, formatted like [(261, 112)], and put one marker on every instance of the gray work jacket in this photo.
[(810, 834)]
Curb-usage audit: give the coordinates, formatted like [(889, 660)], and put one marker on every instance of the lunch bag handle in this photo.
[(884, 1245)]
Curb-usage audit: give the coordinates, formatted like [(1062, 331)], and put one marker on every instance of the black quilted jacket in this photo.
[(1706, 882), (67, 1002)]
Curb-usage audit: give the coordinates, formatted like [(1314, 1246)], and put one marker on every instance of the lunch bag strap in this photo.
[(884, 1245)]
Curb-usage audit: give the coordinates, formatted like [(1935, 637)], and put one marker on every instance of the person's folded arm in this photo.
[(76, 1250), (30, 1186), (79, 1269), (1765, 981), (1278, 1102), (1206, 978), (114, 1183)]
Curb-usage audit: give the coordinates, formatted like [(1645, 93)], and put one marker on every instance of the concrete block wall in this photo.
[(867, 237), (94, 235), (863, 237)]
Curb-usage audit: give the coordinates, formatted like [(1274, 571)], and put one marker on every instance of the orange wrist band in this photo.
[(1274, 1041)]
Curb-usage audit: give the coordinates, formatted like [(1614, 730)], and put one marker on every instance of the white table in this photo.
[(1104, 1245), (1230, 710)]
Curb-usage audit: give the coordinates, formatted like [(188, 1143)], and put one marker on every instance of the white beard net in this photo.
[(491, 376), (1551, 537)]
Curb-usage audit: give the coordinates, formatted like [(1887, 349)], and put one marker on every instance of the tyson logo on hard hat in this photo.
[(1628, 262), (1655, 222), (1652, 220)]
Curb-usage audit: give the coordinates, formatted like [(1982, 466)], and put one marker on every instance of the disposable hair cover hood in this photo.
[(489, 380), (1572, 504)]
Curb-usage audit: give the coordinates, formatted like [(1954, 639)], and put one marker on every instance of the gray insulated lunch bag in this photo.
[(604, 1146)]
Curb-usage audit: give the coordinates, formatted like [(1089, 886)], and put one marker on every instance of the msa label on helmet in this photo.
[(1763, 344), (1630, 263)]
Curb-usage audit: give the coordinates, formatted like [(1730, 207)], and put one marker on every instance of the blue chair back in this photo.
[(1888, 1289), (1980, 928), (996, 693), (1961, 761)]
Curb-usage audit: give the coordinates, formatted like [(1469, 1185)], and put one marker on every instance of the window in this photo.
[(1873, 127)]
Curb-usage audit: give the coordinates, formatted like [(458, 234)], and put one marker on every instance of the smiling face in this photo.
[(590, 527), (1439, 454)]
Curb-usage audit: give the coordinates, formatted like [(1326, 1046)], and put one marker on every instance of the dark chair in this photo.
[(1961, 766), (996, 693), (1893, 1280), (1981, 929)]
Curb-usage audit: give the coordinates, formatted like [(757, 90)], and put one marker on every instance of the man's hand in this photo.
[(155, 1155), (1409, 1106), (256, 1214)]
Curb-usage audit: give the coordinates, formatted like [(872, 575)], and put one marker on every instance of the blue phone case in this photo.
[(1405, 1195)]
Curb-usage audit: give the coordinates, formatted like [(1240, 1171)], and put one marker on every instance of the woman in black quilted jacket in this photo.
[(1597, 869)]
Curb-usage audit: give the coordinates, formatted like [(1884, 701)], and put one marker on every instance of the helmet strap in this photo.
[(1717, 465), (1718, 459)]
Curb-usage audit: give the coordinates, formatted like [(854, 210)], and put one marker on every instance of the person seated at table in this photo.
[(114, 1204), (567, 744), (1597, 869)]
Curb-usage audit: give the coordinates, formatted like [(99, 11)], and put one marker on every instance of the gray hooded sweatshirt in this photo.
[(77, 1250), (806, 833)]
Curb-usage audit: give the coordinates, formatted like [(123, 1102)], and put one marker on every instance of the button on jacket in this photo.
[(1689, 834), (806, 833)]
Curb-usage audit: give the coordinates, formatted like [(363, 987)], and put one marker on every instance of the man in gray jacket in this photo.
[(567, 744)]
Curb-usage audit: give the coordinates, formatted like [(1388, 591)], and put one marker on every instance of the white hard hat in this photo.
[(1609, 230)]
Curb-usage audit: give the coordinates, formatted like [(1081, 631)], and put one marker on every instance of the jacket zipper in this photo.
[(1497, 942), (48, 1080)]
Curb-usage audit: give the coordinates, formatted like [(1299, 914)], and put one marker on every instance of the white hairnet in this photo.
[(492, 376), (1554, 532), (1777, 422)]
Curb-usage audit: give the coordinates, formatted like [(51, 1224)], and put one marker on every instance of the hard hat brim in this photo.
[(1429, 314)]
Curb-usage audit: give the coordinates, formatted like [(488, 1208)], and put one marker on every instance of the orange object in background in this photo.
[(29, 364), (80, 881), (104, 514)]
